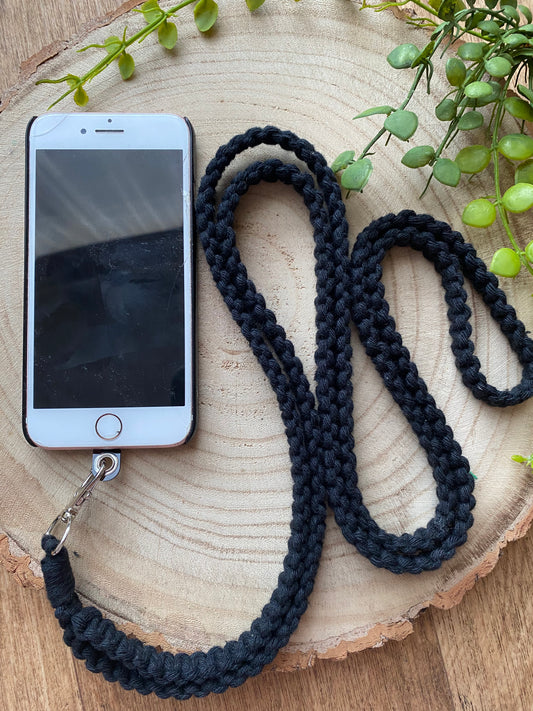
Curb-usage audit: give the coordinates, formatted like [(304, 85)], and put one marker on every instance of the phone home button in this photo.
[(108, 426)]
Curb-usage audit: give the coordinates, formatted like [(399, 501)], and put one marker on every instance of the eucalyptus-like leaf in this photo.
[(495, 94), (167, 34), (489, 27), (515, 40), (375, 110), (471, 51), (498, 67), (516, 146), (511, 12), (126, 65), (403, 56), (478, 89), (357, 175), (479, 213), (342, 161), (446, 110), (418, 156), (254, 4), (472, 21), (80, 96), (526, 12), (505, 263), (524, 172), (455, 71), (519, 108), (518, 198), (401, 124), (151, 11), (112, 44), (205, 14), (470, 120), (473, 159), (447, 172)]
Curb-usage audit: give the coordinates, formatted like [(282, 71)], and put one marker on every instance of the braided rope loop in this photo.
[(319, 425)]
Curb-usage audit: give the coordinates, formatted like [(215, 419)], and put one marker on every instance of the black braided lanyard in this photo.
[(319, 426)]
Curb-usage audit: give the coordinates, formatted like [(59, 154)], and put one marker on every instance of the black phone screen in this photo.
[(109, 301)]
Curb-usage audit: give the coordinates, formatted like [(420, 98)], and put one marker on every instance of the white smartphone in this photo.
[(109, 281)]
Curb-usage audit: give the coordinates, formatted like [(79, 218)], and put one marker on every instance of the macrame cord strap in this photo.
[(319, 425)]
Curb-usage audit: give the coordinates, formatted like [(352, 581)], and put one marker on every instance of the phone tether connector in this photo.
[(106, 465)]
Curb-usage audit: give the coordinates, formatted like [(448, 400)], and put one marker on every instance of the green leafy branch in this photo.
[(480, 74), (156, 19)]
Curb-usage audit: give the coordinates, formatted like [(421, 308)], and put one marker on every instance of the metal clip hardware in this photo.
[(106, 465)]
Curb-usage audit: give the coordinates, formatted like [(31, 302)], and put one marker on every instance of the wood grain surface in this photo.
[(472, 657)]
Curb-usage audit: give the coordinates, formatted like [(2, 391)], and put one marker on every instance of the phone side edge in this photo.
[(194, 308), (26, 295)]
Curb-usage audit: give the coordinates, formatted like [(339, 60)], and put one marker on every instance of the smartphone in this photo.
[(109, 281)]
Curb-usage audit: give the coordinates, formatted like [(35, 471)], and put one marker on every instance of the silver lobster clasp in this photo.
[(106, 465)]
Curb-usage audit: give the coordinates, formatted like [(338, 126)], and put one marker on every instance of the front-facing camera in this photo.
[(83, 130)]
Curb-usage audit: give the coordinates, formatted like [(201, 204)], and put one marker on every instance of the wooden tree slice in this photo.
[(186, 545)]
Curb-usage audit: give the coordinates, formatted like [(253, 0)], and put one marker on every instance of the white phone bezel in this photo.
[(74, 428)]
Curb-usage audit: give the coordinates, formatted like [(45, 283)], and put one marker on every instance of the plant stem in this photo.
[(416, 81), (109, 58)]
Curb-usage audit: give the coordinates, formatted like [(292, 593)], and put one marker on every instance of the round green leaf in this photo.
[(112, 44), (498, 66), (403, 56), (375, 110), (470, 120), (80, 96), (446, 110), (418, 156), (455, 71), (489, 27), (478, 89), (446, 171), (471, 51), (526, 12), (529, 251), (484, 100), (167, 34), (518, 198), (510, 12), (524, 172), (151, 11), (356, 175), (516, 146), (402, 124), (126, 65), (519, 108), (205, 14), (505, 263), (473, 159), (479, 213), (342, 161), (254, 4), (515, 40)]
